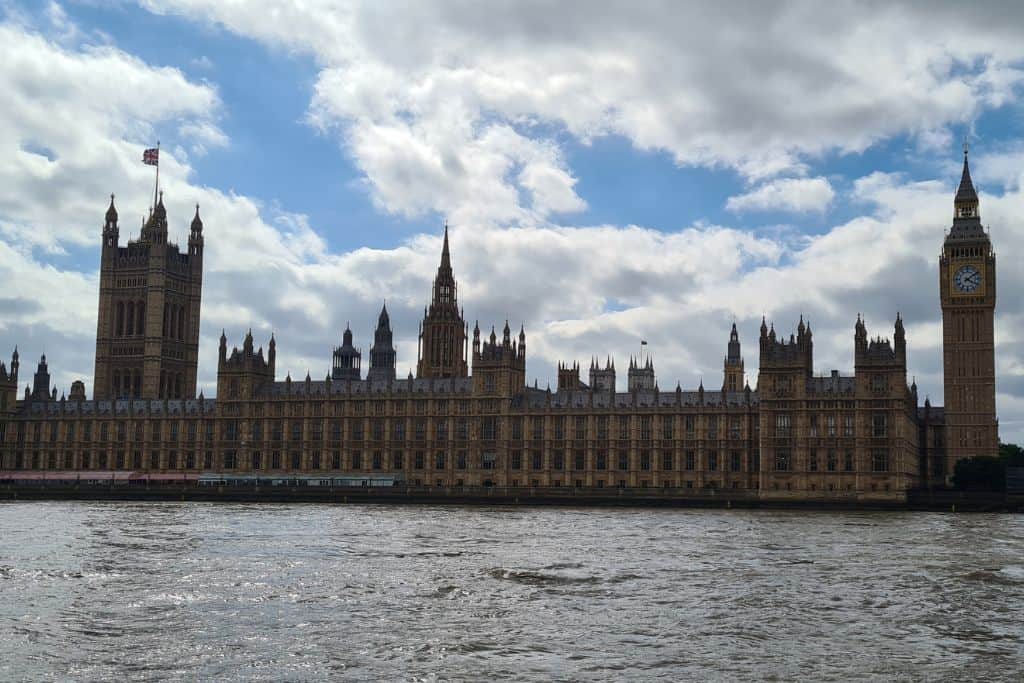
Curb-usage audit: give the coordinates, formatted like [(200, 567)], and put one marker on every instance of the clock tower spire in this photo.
[(967, 290)]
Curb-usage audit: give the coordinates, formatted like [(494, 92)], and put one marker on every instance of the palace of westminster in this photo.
[(468, 417)]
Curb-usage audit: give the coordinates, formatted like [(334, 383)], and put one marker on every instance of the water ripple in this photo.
[(99, 591)]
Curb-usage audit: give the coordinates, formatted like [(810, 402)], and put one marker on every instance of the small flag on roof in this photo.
[(151, 157)]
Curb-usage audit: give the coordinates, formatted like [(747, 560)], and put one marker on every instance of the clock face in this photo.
[(967, 279)]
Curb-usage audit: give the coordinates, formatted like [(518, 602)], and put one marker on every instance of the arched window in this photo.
[(129, 323), (119, 329), (137, 385), (116, 384), (163, 384), (140, 317), (167, 316), (173, 321), (177, 387), (181, 323)]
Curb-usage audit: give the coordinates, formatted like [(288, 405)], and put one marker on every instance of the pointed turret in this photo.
[(382, 353), (111, 213)]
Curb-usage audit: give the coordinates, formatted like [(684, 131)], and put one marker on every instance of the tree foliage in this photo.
[(987, 473)]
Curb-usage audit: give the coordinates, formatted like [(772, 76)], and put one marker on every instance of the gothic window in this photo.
[(812, 461), (378, 461), (602, 460), (559, 427), (129, 322), (830, 422), (783, 425), (490, 428), (645, 460), (418, 460), (517, 460), (581, 427), (119, 327), (666, 461), (782, 461), (713, 461), (517, 428), (691, 460), (666, 428), (558, 460), (878, 425), (140, 318), (848, 461), (623, 461), (880, 460), (737, 461), (848, 425), (645, 428), (538, 428), (538, 461), (830, 461), (580, 460), (397, 461), (181, 322)]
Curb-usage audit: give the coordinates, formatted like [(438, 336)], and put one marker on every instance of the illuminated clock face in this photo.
[(967, 279)]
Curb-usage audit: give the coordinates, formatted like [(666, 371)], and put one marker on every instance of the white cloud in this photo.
[(800, 195), (423, 93)]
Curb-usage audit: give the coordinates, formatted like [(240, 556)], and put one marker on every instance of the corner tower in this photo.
[(147, 329), (442, 347), (967, 291)]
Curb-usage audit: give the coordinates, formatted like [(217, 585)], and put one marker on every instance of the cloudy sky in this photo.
[(611, 171)]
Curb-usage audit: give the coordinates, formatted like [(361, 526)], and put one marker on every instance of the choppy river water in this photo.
[(95, 591)]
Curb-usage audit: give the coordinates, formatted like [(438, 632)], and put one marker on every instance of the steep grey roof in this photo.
[(538, 398), (834, 384), (123, 407), (935, 414), (364, 387)]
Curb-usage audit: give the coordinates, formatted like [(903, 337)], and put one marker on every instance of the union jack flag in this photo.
[(151, 157)]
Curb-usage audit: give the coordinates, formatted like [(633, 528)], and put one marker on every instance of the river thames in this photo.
[(103, 591)]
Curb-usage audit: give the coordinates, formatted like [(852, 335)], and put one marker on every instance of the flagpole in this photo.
[(156, 187)]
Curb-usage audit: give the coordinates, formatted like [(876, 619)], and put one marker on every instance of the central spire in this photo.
[(446, 258), (966, 201)]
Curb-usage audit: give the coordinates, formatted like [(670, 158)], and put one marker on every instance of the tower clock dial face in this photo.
[(967, 279)]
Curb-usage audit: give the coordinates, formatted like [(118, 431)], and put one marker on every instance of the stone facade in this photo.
[(147, 330), (794, 435)]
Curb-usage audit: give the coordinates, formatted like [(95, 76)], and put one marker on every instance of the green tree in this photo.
[(987, 473)]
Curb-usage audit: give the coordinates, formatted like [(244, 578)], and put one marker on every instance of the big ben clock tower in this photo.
[(967, 286)]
